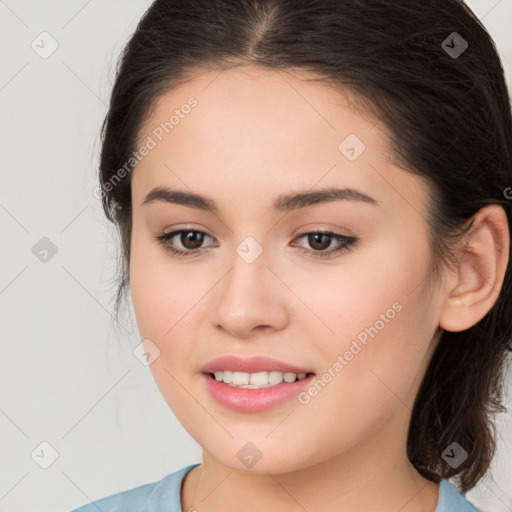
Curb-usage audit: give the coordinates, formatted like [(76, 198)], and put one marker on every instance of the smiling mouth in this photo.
[(257, 380)]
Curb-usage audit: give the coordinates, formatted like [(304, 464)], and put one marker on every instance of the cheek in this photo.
[(161, 291), (374, 310), (347, 297), (162, 294)]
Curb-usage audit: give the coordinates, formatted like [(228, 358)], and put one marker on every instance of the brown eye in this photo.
[(191, 239), (183, 242), (319, 241)]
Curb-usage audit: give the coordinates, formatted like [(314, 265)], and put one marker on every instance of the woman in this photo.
[(315, 225)]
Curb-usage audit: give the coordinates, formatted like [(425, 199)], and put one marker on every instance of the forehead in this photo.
[(258, 129), (264, 97)]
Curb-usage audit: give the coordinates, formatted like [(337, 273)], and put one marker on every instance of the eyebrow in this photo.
[(282, 203)]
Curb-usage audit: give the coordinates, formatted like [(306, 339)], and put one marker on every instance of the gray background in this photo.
[(67, 378)]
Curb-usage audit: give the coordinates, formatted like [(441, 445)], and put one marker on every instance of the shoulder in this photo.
[(163, 495), (451, 500)]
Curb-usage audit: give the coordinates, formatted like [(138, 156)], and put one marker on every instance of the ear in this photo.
[(475, 284)]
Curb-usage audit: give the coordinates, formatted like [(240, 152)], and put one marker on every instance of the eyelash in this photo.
[(346, 243)]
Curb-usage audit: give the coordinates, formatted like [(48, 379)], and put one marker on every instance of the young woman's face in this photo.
[(255, 283)]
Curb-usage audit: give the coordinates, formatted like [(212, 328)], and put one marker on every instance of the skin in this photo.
[(254, 135)]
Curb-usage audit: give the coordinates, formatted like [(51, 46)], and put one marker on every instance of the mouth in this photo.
[(257, 380), (242, 396)]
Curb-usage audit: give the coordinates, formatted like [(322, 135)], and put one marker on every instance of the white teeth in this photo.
[(256, 380)]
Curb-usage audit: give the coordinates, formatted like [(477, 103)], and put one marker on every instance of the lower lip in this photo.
[(254, 400)]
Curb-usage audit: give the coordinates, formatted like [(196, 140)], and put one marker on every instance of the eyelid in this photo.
[(324, 227)]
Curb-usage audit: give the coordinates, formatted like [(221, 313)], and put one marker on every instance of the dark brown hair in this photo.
[(449, 121)]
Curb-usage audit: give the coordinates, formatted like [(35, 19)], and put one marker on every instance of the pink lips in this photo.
[(250, 365), (253, 400)]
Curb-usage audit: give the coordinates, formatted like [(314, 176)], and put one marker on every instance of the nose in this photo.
[(250, 299)]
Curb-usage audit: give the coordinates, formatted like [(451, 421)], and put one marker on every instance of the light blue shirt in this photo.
[(164, 496)]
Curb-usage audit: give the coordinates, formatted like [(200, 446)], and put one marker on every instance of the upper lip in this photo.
[(250, 365)]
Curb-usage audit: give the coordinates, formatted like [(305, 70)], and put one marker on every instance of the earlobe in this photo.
[(475, 284)]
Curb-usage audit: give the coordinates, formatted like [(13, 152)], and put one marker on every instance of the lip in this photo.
[(250, 365), (254, 400)]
